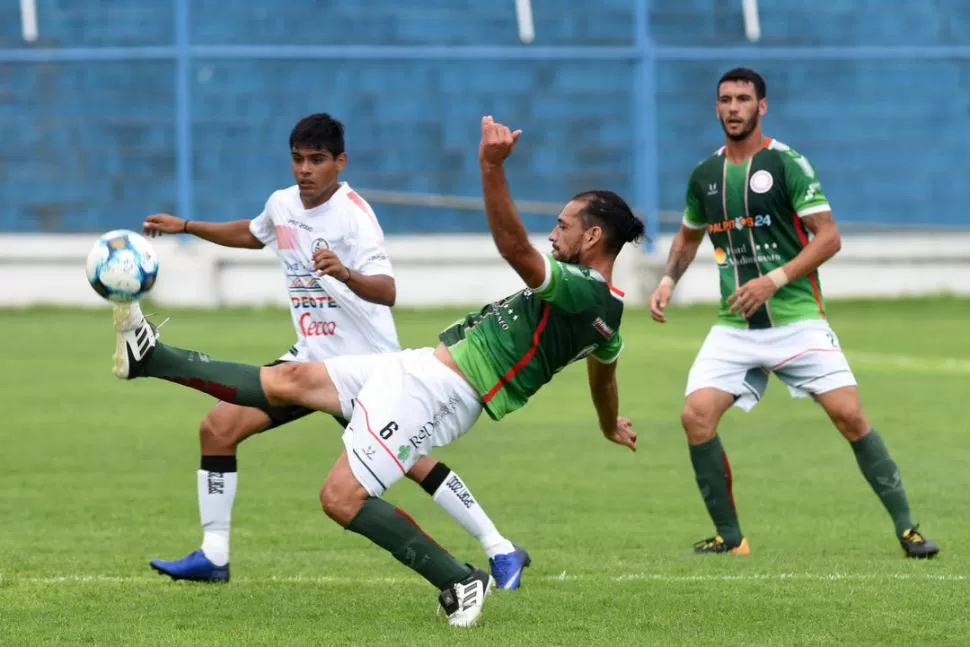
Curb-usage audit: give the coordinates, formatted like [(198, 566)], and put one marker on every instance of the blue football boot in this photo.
[(507, 569), (194, 567)]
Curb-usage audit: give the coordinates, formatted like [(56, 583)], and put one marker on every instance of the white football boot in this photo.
[(134, 342), (462, 602)]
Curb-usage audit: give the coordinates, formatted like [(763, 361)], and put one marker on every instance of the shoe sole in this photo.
[(741, 550), (909, 555), (179, 578)]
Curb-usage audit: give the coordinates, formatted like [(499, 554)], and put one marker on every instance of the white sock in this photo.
[(217, 490), (457, 500)]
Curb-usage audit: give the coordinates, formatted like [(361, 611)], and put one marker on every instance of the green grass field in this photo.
[(97, 477)]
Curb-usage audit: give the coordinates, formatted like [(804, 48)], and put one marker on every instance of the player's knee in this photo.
[(851, 422), (699, 423), (282, 383), (339, 500), (217, 433)]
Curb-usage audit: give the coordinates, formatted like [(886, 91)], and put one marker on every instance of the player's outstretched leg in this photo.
[(701, 414), (877, 466), (506, 560), (138, 353), (463, 588)]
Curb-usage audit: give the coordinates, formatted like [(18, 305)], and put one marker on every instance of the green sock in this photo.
[(394, 531), (883, 476), (227, 381), (713, 475)]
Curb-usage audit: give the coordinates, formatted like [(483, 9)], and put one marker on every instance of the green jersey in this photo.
[(752, 212), (512, 347)]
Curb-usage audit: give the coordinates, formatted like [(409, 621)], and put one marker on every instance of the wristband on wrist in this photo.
[(667, 281), (778, 277)]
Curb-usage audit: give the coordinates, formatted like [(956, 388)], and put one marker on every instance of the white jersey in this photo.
[(330, 320)]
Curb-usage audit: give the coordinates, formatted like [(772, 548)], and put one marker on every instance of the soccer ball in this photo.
[(122, 266)]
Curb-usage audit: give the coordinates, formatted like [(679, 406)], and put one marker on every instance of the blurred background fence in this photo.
[(112, 109), (123, 107)]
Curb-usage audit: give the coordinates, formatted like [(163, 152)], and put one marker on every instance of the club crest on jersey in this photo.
[(761, 182), (602, 328), (319, 243)]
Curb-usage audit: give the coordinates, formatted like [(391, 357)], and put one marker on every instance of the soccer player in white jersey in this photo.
[(341, 286)]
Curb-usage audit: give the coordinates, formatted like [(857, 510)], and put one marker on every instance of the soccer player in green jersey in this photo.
[(401, 405), (756, 198)]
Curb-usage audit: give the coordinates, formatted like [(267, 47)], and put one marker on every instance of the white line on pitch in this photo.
[(562, 577)]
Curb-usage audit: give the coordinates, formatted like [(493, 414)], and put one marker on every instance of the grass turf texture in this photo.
[(97, 477)]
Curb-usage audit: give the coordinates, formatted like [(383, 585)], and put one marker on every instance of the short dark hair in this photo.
[(611, 212), (319, 131), (745, 74)]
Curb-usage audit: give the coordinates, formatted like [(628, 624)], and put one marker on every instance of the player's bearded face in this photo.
[(738, 128), (567, 236), (738, 109)]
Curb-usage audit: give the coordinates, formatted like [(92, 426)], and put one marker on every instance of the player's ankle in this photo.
[(496, 545)]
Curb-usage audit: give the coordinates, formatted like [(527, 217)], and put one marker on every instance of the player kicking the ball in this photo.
[(401, 405), (755, 198), (341, 286)]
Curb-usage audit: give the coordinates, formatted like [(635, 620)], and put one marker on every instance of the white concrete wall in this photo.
[(459, 270)]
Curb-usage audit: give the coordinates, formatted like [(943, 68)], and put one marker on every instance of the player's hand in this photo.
[(623, 434), (163, 223), (746, 300), (497, 141), (326, 263), (658, 301)]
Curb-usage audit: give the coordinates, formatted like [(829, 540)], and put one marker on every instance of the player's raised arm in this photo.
[(606, 400), (507, 229), (229, 234)]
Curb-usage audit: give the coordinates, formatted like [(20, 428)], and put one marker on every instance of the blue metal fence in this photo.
[(143, 106)]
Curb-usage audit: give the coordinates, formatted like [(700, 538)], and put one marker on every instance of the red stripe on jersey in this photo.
[(617, 292), (802, 236), (359, 201), (525, 359), (286, 237), (377, 438), (769, 141)]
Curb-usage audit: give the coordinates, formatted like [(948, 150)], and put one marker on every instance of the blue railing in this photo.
[(633, 115)]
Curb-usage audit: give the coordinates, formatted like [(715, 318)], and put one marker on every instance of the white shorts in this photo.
[(400, 405), (804, 355)]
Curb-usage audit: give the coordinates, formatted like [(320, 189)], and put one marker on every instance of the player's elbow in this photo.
[(834, 239), (390, 296), (388, 293), (527, 263)]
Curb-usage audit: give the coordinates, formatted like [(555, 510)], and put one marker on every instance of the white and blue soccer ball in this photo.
[(122, 266)]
